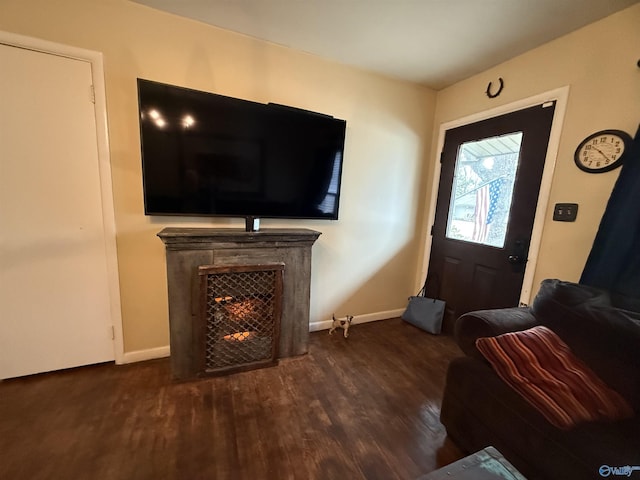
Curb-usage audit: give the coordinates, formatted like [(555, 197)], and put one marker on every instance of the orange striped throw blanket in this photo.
[(538, 365)]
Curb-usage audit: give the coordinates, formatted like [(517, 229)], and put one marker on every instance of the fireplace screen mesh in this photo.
[(241, 315)]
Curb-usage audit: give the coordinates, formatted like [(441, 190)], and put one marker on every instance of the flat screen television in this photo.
[(205, 154)]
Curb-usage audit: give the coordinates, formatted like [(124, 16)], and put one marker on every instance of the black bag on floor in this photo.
[(424, 312)]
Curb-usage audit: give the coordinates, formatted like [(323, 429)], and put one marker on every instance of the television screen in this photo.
[(207, 154)]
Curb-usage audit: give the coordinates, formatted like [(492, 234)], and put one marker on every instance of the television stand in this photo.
[(251, 224)]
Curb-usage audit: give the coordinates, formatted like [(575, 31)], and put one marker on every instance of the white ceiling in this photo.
[(432, 42)]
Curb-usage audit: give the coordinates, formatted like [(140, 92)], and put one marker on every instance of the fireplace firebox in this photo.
[(240, 317)]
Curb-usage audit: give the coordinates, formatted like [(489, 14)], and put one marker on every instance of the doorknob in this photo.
[(518, 254), (514, 259)]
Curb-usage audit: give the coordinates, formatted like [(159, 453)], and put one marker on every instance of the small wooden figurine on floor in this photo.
[(344, 324)]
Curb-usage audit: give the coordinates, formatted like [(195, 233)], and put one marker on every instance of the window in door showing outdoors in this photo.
[(483, 189)]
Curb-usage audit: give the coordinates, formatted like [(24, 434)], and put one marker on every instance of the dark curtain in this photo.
[(614, 261)]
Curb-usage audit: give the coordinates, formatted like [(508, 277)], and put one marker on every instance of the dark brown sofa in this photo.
[(479, 409)]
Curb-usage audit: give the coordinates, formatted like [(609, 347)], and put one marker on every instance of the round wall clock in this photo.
[(602, 151)]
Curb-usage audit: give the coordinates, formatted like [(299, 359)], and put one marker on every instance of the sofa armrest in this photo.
[(490, 323)]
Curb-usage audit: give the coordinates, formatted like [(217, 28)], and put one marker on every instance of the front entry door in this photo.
[(489, 184)]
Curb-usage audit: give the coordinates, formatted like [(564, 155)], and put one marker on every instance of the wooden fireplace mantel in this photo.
[(189, 248)]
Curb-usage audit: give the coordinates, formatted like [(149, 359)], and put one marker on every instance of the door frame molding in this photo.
[(95, 59), (560, 96)]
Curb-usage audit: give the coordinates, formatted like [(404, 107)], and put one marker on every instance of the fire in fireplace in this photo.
[(240, 317)]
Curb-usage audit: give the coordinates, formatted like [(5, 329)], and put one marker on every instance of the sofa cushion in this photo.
[(568, 294), (604, 337), (541, 367), (489, 323)]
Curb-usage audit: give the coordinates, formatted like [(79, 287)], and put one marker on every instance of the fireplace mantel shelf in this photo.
[(175, 236)]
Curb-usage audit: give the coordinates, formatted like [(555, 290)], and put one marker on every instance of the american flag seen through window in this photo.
[(486, 204)]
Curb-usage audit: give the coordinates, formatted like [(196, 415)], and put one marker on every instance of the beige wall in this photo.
[(598, 63), (364, 263), (368, 261)]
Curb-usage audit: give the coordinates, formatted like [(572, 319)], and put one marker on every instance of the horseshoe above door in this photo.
[(494, 95)]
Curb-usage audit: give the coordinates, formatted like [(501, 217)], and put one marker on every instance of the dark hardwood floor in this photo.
[(365, 407)]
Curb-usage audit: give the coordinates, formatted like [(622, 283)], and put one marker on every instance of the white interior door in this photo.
[(54, 290)]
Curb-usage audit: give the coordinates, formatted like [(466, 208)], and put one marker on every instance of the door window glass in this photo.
[(483, 188)]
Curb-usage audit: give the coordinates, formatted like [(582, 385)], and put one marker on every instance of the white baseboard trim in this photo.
[(161, 352), (142, 355), (367, 317)]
